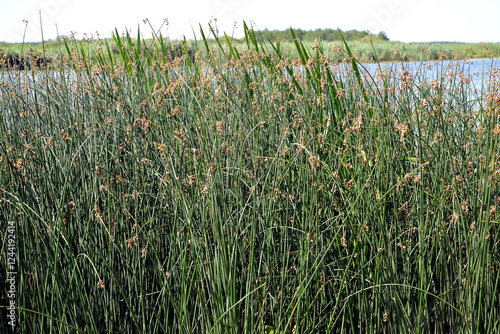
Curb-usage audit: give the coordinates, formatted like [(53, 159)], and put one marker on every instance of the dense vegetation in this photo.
[(241, 190), (311, 35), (366, 47)]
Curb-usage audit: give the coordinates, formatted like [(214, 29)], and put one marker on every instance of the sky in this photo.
[(402, 20)]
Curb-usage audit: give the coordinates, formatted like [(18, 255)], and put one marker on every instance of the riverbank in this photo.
[(365, 47)]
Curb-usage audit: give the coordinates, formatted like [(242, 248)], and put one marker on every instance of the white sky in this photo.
[(402, 20)]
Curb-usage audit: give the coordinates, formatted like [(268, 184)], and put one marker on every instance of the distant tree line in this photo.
[(323, 34)]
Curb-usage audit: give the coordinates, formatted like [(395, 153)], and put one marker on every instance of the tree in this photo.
[(383, 36)]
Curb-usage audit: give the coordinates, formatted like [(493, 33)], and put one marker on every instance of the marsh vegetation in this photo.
[(243, 190)]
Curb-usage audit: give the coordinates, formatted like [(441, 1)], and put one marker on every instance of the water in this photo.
[(476, 69)]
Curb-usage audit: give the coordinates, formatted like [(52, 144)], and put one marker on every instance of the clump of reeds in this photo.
[(242, 190)]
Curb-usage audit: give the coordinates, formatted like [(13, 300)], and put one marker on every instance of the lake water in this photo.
[(477, 69)]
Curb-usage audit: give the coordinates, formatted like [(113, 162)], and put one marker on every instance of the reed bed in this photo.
[(239, 190)]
